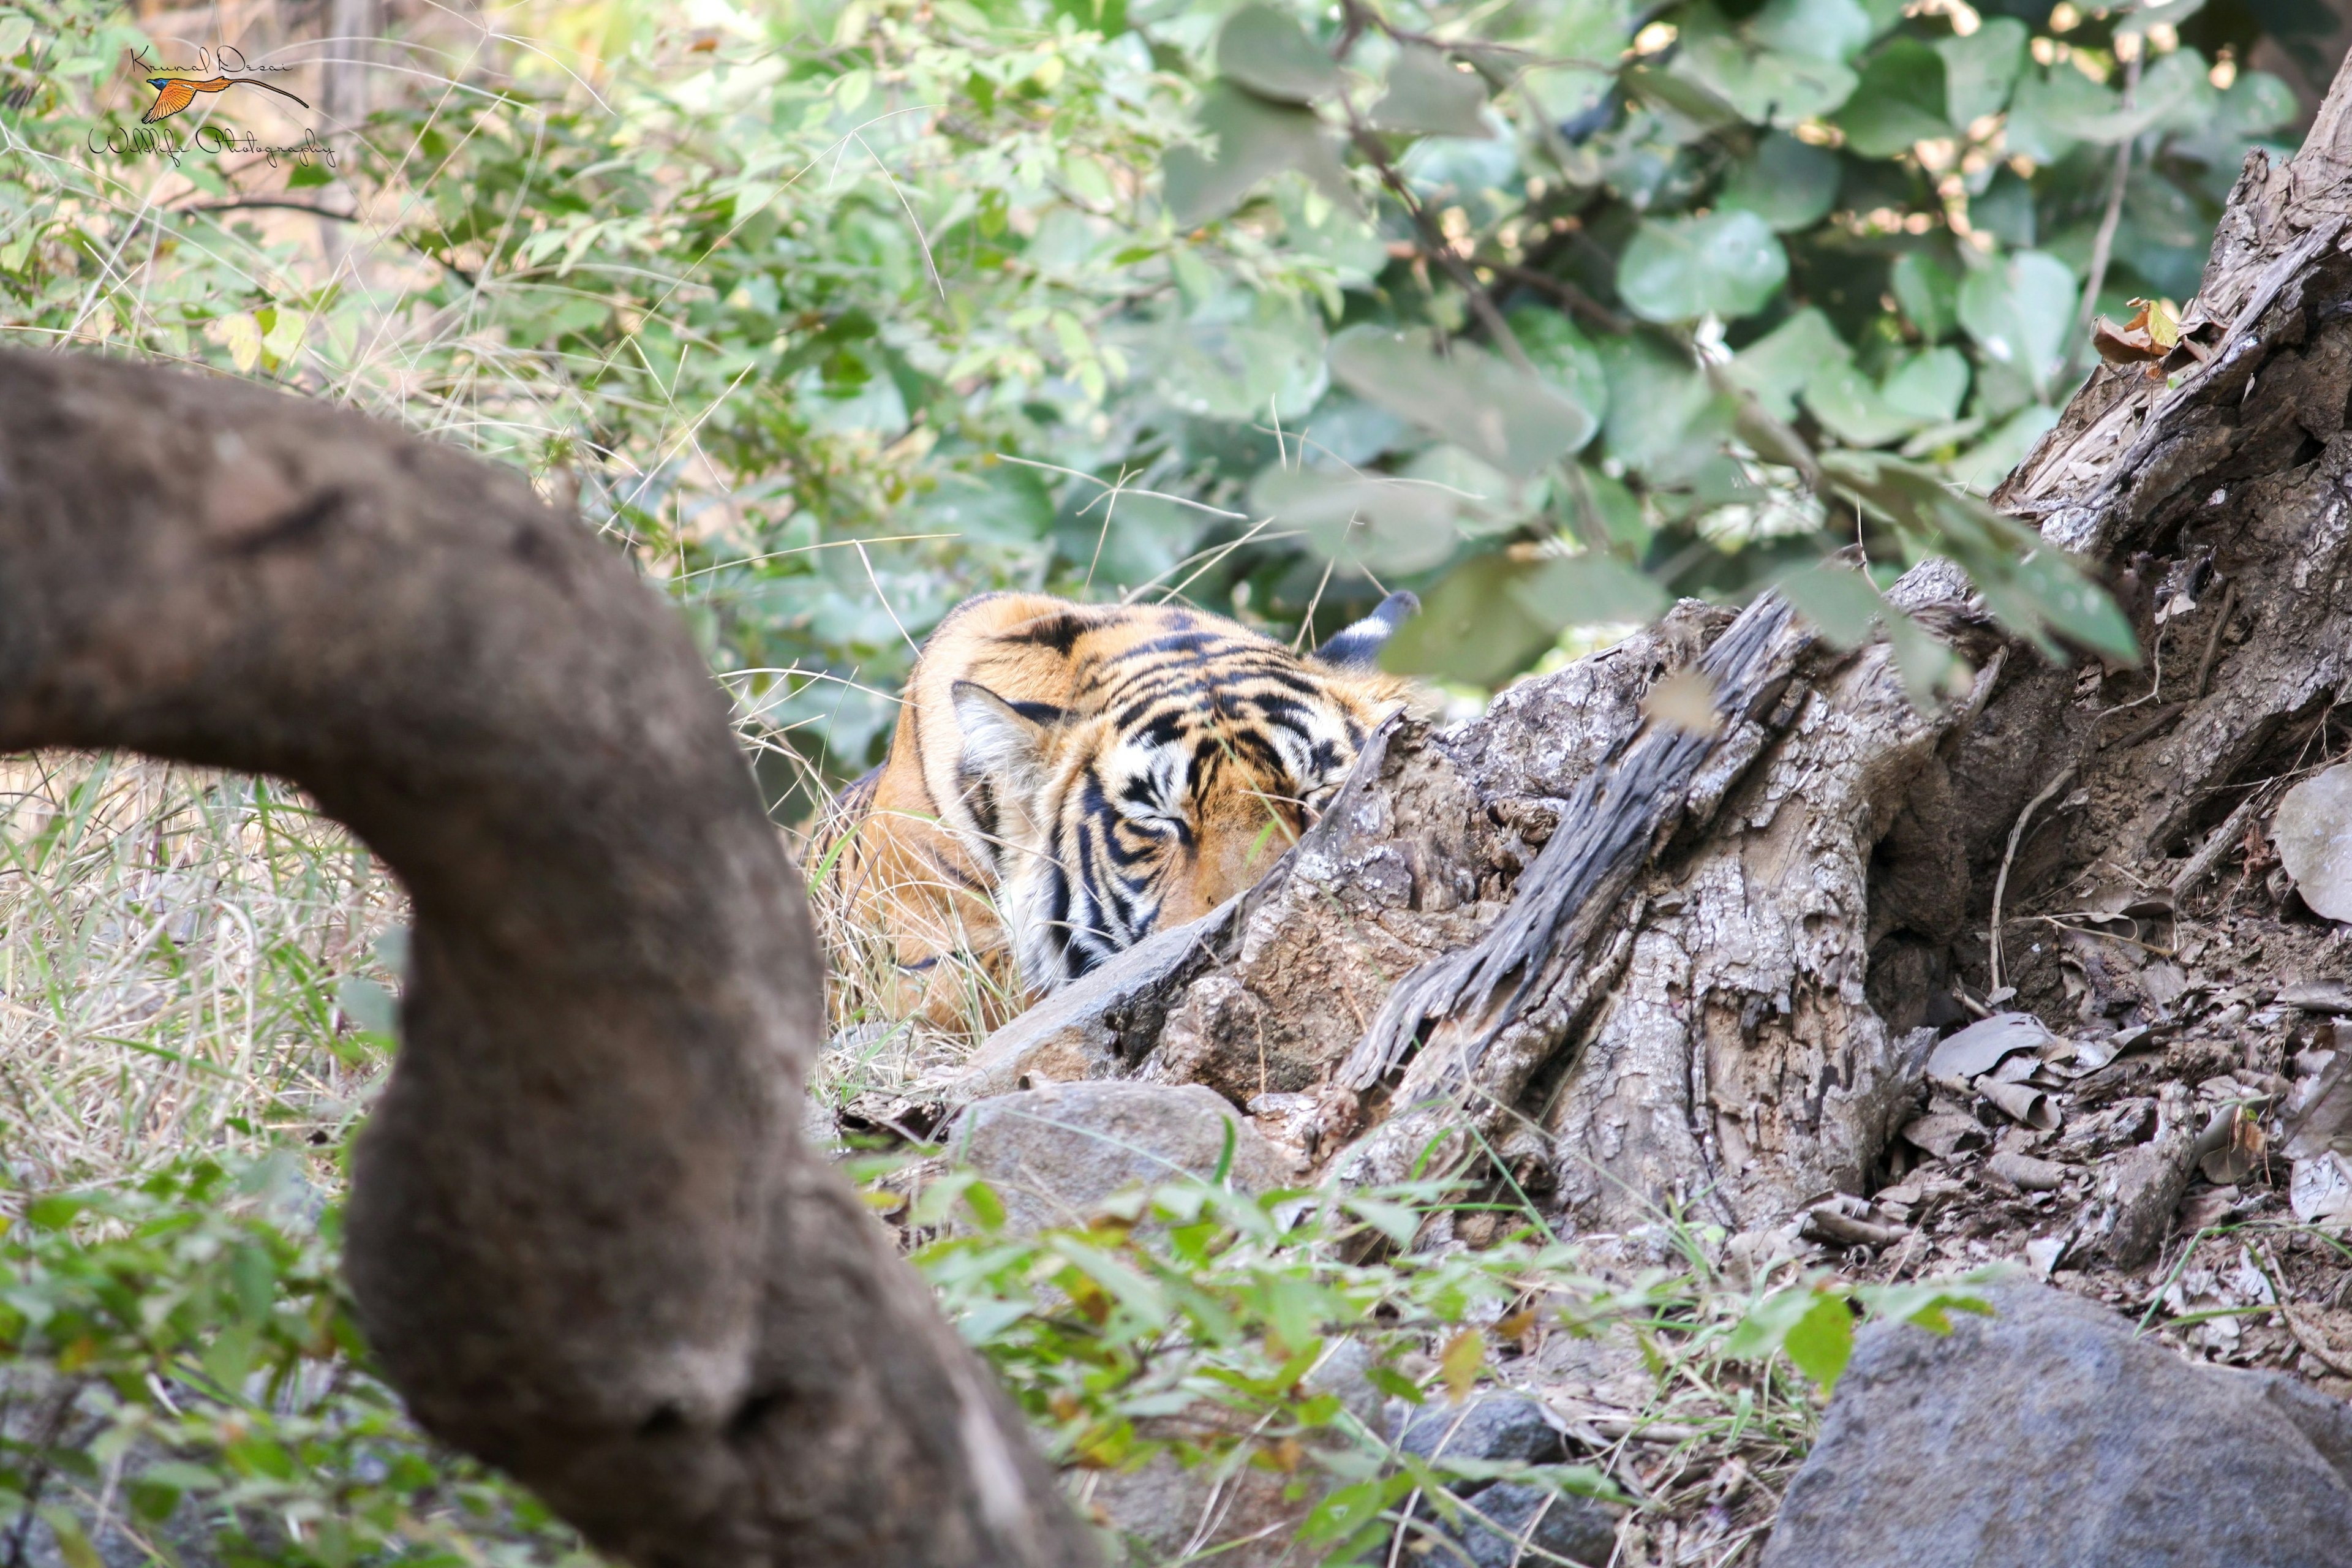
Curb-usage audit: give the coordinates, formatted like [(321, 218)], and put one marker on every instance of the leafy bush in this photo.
[(836, 312), (179, 1367)]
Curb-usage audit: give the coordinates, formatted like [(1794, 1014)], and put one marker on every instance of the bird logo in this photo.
[(173, 94)]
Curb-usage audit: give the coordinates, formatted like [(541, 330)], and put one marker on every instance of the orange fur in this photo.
[(1067, 778)]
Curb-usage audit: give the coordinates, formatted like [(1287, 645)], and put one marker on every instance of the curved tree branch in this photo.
[(585, 1233)]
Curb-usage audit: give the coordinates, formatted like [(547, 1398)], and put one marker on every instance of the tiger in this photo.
[(1064, 779)]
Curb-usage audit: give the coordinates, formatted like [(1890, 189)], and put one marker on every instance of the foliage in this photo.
[(835, 311), (182, 1367), (1194, 1324)]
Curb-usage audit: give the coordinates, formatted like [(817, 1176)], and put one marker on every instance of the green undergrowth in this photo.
[(197, 976)]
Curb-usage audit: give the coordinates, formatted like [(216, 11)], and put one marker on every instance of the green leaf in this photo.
[(1900, 101), (1850, 407), (1472, 628), (1929, 385), (1983, 467), (1822, 29), (1981, 68), (2047, 105), (1837, 599), (1787, 183), (1587, 590), (1254, 138), (1763, 87), (1266, 51), (1727, 265), (2020, 311), (1821, 1343), (2256, 102), (2076, 607), (1426, 93), (1776, 366), (1494, 410), (1382, 523), (1562, 355), (1925, 664), (1928, 294)]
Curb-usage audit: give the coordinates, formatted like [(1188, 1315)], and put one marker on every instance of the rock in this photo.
[(2049, 1433), (1503, 1426), (1052, 1153), (1533, 1520), (1496, 1426)]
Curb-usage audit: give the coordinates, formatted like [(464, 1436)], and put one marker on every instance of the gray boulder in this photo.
[(1052, 1153), (2049, 1436), (1509, 1522)]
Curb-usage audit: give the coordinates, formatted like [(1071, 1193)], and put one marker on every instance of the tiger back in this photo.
[(1065, 779)]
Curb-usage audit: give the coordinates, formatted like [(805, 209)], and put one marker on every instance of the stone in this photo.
[(1533, 1520), (2050, 1434), (1052, 1153), (1494, 1426), (1505, 1517)]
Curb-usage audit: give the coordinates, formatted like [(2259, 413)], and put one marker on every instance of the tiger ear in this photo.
[(999, 740), (1358, 647)]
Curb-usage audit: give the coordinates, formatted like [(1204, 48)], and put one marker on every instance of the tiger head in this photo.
[(1187, 754)]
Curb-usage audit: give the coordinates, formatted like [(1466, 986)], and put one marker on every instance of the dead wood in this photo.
[(585, 1235)]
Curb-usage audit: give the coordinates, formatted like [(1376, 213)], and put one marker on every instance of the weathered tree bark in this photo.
[(584, 1233), (1634, 968)]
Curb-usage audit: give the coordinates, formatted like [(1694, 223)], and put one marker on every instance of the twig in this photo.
[(2218, 844), (2312, 1344), (2103, 245), (1433, 243), (1561, 290), (2016, 836), (2213, 639)]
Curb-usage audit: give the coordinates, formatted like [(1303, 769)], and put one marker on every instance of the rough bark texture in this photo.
[(585, 1235)]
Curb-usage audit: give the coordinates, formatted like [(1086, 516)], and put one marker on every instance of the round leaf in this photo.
[(2020, 311), (1789, 185), (1266, 51), (1499, 412), (1426, 93), (1728, 265)]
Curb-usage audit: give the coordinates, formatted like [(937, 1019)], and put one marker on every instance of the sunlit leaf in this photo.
[(1463, 1357), (1981, 68), (1821, 1343), (1587, 590), (1497, 411), (1928, 386), (1426, 93), (1929, 293), (1254, 138), (1472, 628), (1726, 265), (1900, 101), (1790, 184), (1838, 600), (2019, 311), (1266, 50)]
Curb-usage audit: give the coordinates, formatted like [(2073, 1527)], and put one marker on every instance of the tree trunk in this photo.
[(1630, 967), (585, 1235)]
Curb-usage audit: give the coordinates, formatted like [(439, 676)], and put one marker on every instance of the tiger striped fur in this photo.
[(1064, 779)]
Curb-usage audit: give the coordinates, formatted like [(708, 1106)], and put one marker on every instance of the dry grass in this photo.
[(891, 1029), (193, 962), (181, 953)]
